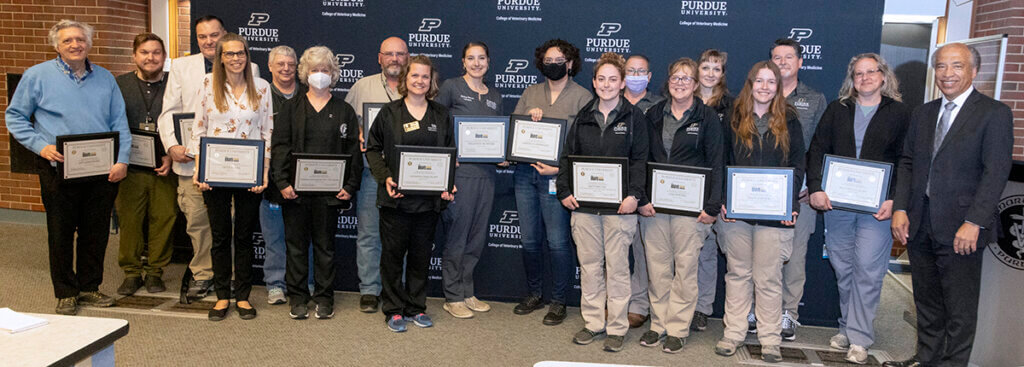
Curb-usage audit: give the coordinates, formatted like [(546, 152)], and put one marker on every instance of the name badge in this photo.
[(411, 126), (148, 126)]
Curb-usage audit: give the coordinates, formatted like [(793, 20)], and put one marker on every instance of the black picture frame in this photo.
[(828, 163), (449, 151), (623, 163), (653, 166), (205, 142), (513, 127), (179, 119), (62, 139), (462, 120), (327, 157), (367, 121), (731, 171), (158, 149)]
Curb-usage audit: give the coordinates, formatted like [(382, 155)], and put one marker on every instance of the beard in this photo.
[(150, 76), (393, 70)]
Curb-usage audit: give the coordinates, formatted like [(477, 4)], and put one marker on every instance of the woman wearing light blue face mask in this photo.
[(314, 122), (638, 76)]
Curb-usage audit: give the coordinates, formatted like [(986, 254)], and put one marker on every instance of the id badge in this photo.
[(551, 187)]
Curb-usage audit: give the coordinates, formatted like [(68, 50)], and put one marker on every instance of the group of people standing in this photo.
[(774, 121)]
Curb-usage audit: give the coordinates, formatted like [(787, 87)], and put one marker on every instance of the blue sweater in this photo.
[(63, 107)]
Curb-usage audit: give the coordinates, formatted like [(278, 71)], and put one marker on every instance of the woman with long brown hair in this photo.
[(764, 132)]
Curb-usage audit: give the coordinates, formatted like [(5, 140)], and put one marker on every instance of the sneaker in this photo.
[(67, 306), (299, 311), (857, 354), (613, 343), (154, 284), (458, 310), (477, 305), (199, 288), (727, 347), (650, 339), (368, 303), (699, 322), (556, 314), (422, 320), (839, 341), (751, 323), (529, 304), (95, 299), (275, 296), (585, 336), (771, 353), (129, 286), (788, 327), (396, 323), (324, 311), (673, 344)]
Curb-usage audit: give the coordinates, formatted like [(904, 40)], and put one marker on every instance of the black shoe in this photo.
[(650, 339), (67, 306), (556, 314), (95, 299), (673, 344), (217, 315), (199, 288), (299, 311), (129, 286), (368, 303), (700, 321), (154, 284), (907, 363), (324, 311), (246, 313), (529, 304)]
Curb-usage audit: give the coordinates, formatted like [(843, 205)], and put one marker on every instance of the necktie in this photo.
[(940, 133)]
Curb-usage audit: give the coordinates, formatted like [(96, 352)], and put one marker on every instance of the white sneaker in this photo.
[(857, 354), (477, 305), (458, 310), (275, 296), (839, 341)]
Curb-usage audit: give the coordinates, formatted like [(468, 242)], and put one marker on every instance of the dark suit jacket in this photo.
[(968, 173), (290, 137), (883, 140)]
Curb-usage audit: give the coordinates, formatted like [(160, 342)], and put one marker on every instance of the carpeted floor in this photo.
[(352, 338)]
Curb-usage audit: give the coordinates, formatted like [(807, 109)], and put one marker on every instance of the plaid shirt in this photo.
[(66, 69)]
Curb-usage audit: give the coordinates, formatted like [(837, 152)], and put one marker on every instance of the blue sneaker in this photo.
[(422, 320), (396, 323)]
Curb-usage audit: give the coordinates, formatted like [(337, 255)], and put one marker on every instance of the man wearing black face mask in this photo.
[(539, 210)]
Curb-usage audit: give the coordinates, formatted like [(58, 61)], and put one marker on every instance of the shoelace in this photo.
[(788, 322)]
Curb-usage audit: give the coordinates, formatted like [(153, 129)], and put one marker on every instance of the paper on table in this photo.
[(14, 322)]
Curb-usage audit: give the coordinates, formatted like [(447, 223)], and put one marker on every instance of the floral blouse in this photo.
[(240, 121)]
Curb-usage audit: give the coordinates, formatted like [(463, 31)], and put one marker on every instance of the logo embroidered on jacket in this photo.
[(620, 128)]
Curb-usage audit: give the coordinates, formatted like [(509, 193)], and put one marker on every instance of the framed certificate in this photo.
[(535, 141), (183, 127), (147, 150), (370, 111), (481, 139), (87, 157), (855, 184), (677, 189), (424, 170), (598, 182), (319, 173), (231, 162), (759, 193)]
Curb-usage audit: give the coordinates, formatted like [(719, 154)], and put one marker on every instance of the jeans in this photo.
[(542, 216), (272, 227), (368, 238)]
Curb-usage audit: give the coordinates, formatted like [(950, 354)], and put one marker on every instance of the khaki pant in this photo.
[(754, 272), (190, 200), (673, 247), (602, 246), (794, 271), (142, 195)]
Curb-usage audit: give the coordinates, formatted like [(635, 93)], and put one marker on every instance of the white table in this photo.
[(65, 341)]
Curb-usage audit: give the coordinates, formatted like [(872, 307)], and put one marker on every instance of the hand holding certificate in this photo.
[(481, 139), (535, 141), (227, 162), (87, 156), (856, 185), (319, 173), (598, 182), (424, 170), (759, 193), (676, 189), (147, 150)]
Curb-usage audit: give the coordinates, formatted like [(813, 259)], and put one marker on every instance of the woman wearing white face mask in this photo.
[(314, 122)]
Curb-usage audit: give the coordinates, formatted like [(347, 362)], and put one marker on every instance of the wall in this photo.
[(24, 26), (1007, 17)]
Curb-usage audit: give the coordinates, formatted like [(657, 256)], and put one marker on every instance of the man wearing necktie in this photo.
[(955, 163)]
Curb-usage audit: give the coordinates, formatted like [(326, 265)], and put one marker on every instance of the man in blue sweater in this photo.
[(65, 96)]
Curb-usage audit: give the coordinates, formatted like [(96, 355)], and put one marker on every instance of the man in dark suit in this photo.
[(955, 163)]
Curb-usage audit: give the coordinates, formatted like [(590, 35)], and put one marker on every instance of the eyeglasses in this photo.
[(560, 60), (395, 54), (232, 55), (681, 79), (868, 73), (632, 71)]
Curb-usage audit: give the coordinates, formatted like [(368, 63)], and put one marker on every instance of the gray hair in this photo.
[(68, 23), (318, 56), (975, 55), (890, 84), (280, 51)]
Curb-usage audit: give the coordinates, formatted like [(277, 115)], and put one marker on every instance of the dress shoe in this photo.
[(907, 363), (636, 320), (154, 284), (129, 286), (218, 315), (556, 314), (246, 313), (529, 304)]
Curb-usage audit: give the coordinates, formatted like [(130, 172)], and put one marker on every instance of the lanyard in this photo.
[(383, 83), (148, 103)]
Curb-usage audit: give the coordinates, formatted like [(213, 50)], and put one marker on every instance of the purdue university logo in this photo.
[(1010, 247)]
